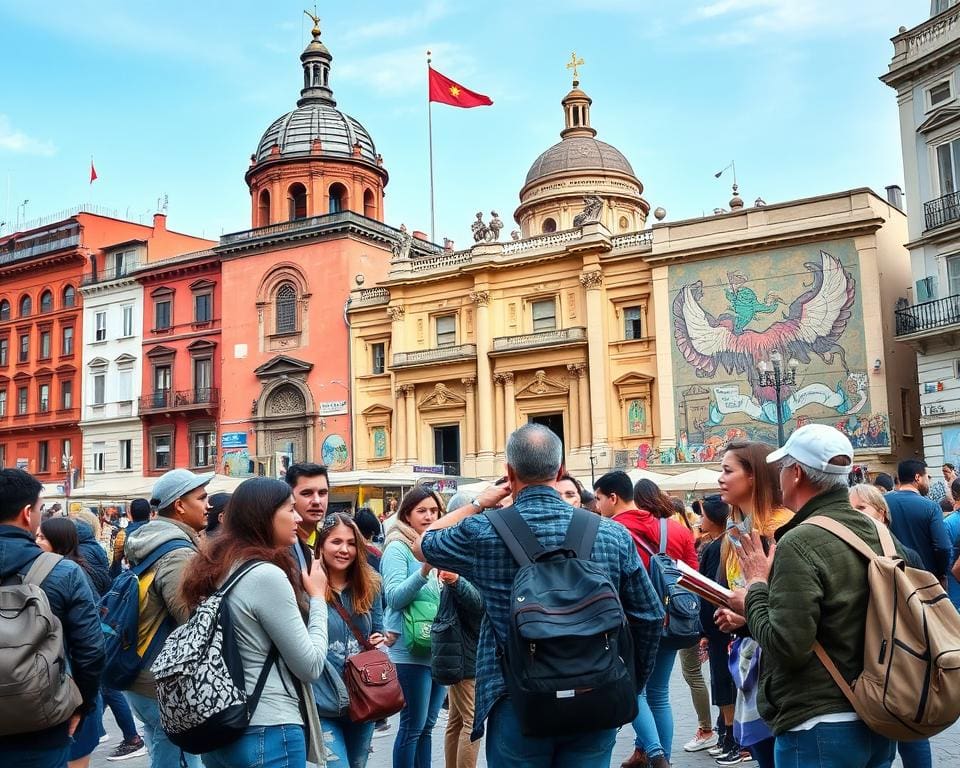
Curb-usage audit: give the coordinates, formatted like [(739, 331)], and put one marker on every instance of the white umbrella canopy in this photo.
[(694, 480), (637, 474)]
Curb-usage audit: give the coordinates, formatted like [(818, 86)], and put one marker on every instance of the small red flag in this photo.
[(445, 91), (93, 172)]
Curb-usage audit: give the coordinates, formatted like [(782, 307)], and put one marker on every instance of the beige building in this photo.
[(637, 346)]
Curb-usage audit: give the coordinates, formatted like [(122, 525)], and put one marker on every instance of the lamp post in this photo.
[(773, 375)]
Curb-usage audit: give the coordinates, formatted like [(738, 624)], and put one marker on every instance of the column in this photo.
[(400, 436), (573, 385), (396, 314), (412, 426), (596, 355), (585, 405), (498, 412), (470, 448), (485, 449), (509, 404)]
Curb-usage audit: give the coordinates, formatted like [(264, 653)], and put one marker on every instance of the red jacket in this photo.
[(680, 545)]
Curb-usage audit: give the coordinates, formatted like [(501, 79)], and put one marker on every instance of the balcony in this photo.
[(181, 400), (431, 356), (931, 318), (555, 338), (942, 211)]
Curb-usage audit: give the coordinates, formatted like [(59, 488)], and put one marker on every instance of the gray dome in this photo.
[(579, 153), (295, 132)]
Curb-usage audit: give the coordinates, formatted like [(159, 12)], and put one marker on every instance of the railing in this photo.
[(944, 210), (925, 37), (542, 241), (40, 248), (428, 356), (367, 297), (632, 240), (928, 316), (540, 339), (106, 275), (165, 399), (429, 263)]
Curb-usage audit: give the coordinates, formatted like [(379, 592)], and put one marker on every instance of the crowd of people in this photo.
[(434, 587)]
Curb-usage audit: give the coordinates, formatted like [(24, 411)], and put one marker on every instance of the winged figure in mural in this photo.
[(811, 326)]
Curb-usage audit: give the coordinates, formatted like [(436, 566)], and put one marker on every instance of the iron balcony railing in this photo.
[(437, 355), (540, 339), (166, 399), (928, 316), (942, 211)]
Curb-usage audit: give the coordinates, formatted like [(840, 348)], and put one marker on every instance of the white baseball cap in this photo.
[(814, 445)]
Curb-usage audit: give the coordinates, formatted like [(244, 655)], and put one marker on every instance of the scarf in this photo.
[(403, 533)]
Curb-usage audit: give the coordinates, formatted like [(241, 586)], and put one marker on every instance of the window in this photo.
[(297, 201), (99, 449), (953, 275), (369, 204), (45, 345), (379, 358), (125, 385), (69, 296), (66, 395), (3, 456), (4, 310), (22, 395), (446, 331), (46, 302), (161, 315), (127, 310), (161, 385), (24, 348), (337, 198), (100, 333), (263, 209), (549, 225), (67, 340), (44, 393), (202, 379), (126, 454), (26, 306), (948, 166), (631, 323), (121, 263), (939, 6), (4, 350), (286, 309), (939, 93), (201, 448), (202, 308), (99, 388), (43, 456), (160, 451), (66, 452), (544, 315), (3, 402)]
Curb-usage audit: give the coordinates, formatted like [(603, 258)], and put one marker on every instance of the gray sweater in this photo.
[(265, 611)]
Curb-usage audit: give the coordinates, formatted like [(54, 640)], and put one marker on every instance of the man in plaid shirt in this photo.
[(466, 543)]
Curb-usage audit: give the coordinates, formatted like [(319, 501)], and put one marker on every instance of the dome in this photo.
[(579, 153), (295, 132)]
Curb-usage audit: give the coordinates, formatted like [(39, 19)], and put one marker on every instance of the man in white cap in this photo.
[(180, 498), (812, 586)]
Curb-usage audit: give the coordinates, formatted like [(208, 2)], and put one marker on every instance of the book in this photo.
[(706, 588)]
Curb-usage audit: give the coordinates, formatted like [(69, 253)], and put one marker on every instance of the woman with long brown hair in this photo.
[(260, 524)]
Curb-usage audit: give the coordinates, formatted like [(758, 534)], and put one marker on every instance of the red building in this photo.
[(182, 355)]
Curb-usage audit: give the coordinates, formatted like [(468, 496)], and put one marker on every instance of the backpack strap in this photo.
[(41, 567), (272, 659), (663, 536), (516, 534), (842, 684), (151, 559), (841, 531), (581, 533), (242, 570)]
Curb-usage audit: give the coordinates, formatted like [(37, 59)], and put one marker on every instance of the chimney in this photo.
[(159, 223), (895, 196), (420, 235)]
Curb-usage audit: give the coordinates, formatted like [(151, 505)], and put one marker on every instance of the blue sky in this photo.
[(171, 98)]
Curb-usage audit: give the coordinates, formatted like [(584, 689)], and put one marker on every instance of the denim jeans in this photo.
[(507, 746), (55, 757), (413, 745), (348, 742), (121, 712), (834, 745), (654, 722), (915, 754), (263, 746), (163, 752)]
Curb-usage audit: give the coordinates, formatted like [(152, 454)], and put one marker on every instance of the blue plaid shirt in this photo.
[(474, 550)]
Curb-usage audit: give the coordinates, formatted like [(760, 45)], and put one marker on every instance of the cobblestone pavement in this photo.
[(946, 746)]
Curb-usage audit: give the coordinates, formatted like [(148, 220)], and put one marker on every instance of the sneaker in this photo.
[(381, 730), (105, 737), (716, 750), (701, 740), (734, 757), (128, 748)]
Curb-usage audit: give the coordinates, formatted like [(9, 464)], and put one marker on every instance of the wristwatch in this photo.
[(478, 505)]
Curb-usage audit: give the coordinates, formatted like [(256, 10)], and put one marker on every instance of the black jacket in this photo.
[(96, 559), (455, 633)]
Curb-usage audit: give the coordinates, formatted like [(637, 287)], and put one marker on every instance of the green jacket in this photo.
[(817, 589)]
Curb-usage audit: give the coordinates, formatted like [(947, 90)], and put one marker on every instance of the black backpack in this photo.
[(568, 656)]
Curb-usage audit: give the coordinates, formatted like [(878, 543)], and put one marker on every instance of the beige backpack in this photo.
[(910, 684)]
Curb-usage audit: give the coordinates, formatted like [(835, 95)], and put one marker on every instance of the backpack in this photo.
[(200, 680), (128, 649), (447, 659), (37, 692), (568, 657), (910, 685), (681, 625)]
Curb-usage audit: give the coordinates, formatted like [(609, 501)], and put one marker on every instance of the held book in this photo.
[(706, 588)]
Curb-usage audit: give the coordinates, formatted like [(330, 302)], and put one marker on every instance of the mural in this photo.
[(334, 452), (237, 463), (379, 442), (637, 417), (730, 315), (951, 445)]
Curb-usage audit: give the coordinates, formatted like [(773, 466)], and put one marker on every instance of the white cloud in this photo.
[(404, 70), (413, 20), (20, 143)]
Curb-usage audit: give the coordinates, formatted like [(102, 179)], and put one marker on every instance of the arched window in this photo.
[(297, 201), (26, 306), (263, 208), (369, 204), (4, 310), (549, 225), (285, 309), (69, 296), (46, 301), (338, 198)]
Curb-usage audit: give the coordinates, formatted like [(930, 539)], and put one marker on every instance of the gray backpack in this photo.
[(37, 691)]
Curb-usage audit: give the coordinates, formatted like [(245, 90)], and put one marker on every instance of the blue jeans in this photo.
[(915, 754), (834, 745), (163, 752), (55, 757), (348, 742), (507, 746), (654, 722), (263, 746), (121, 712), (423, 697)]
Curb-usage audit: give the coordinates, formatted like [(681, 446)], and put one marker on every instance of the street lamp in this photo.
[(773, 375)]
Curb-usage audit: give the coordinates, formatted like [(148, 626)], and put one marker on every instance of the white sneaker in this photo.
[(701, 740)]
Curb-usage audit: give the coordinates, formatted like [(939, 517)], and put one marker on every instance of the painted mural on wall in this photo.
[(728, 316), (334, 452)]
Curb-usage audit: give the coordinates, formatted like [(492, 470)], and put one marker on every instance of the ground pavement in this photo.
[(946, 746)]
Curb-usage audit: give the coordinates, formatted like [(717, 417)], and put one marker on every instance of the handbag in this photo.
[(371, 679), (418, 620)]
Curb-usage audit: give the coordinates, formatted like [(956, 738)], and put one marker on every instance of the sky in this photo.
[(170, 99)]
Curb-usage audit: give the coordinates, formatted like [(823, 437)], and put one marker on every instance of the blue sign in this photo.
[(431, 469), (233, 440)]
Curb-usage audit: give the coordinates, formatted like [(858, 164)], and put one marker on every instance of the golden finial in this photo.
[(573, 64), (316, 21)]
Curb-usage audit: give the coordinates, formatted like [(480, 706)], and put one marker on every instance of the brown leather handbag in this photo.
[(371, 679)]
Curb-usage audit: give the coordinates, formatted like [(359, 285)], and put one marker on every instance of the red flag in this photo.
[(445, 91), (93, 172)]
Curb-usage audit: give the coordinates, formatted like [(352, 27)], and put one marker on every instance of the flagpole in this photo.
[(433, 228)]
